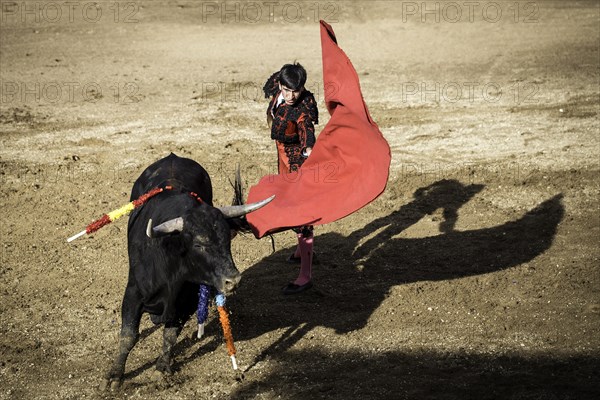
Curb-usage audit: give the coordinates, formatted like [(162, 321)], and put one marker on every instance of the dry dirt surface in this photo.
[(474, 276)]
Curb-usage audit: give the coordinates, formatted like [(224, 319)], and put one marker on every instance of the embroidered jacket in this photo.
[(292, 125)]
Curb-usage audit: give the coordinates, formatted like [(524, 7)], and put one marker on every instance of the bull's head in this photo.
[(206, 238)]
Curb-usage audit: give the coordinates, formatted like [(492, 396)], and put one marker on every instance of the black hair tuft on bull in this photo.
[(239, 224)]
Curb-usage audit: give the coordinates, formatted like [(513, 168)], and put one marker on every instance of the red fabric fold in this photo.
[(348, 167)]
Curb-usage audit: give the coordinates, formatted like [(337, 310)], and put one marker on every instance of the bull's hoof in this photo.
[(163, 365), (113, 379), (111, 385), (161, 380)]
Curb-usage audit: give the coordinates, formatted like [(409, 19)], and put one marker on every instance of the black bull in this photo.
[(176, 241)]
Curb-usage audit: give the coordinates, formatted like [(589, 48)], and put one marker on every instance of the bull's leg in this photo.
[(171, 332), (131, 314), (185, 305)]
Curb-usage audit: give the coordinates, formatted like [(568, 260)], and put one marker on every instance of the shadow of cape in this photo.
[(345, 297)]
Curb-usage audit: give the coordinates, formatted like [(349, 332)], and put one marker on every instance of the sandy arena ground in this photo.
[(474, 276)]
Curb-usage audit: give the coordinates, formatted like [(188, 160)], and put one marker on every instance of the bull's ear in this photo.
[(168, 227)]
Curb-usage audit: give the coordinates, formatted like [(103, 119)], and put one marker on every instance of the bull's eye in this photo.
[(201, 241), (199, 247)]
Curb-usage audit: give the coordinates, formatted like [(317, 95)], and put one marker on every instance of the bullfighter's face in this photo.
[(290, 96)]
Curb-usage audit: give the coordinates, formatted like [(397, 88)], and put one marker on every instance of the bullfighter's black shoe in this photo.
[(292, 288)]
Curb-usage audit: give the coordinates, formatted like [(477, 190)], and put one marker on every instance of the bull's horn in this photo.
[(170, 226), (238, 211)]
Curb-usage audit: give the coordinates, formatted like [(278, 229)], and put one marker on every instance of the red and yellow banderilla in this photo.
[(118, 213)]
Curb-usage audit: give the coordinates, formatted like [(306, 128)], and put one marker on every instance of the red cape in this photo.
[(348, 167)]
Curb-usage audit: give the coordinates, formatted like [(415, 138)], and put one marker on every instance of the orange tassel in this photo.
[(224, 318)]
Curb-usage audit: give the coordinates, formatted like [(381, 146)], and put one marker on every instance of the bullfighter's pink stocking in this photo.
[(305, 245), (297, 252)]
